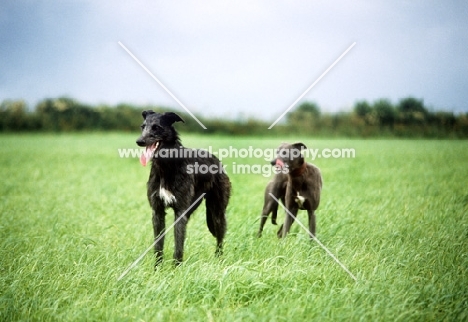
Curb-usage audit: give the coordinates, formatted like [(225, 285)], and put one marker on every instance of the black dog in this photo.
[(176, 181), (304, 184)]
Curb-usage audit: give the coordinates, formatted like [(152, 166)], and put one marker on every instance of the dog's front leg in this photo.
[(274, 213), (290, 217), (179, 235), (159, 225), (311, 222)]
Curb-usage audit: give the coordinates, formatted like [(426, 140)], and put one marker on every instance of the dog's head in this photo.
[(289, 156), (156, 131)]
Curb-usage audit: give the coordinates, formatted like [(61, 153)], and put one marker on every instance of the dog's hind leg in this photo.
[(270, 206), (158, 229), (263, 220)]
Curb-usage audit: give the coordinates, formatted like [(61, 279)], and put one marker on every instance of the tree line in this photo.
[(409, 117)]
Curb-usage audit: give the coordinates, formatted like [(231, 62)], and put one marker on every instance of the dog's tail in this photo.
[(216, 202)]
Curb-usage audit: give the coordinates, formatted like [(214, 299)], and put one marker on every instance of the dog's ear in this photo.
[(145, 113), (169, 118), (299, 145)]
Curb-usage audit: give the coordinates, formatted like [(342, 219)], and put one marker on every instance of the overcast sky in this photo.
[(236, 58)]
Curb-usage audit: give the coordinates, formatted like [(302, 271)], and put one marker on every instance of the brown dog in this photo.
[(303, 187)]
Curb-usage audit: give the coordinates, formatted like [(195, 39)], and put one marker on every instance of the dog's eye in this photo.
[(142, 126), (156, 127)]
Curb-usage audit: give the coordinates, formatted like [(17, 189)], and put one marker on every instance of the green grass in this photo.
[(74, 216)]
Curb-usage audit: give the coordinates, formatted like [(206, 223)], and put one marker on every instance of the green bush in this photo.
[(408, 118)]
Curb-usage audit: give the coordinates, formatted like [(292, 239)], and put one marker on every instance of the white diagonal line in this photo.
[(162, 235), (313, 84), (315, 238), (161, 84)]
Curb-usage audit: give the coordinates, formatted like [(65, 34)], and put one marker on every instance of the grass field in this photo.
[(74, 216)]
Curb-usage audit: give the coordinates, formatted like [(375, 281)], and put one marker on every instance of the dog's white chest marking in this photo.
[(166, 196), (299, 200)]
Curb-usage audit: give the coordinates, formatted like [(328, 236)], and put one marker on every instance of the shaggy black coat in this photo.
[(179, 177)]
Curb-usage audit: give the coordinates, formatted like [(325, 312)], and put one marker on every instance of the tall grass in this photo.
[(74, 216)]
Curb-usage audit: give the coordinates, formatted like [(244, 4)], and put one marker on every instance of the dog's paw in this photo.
[(280, 232), (219, 251), (158, 262)]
